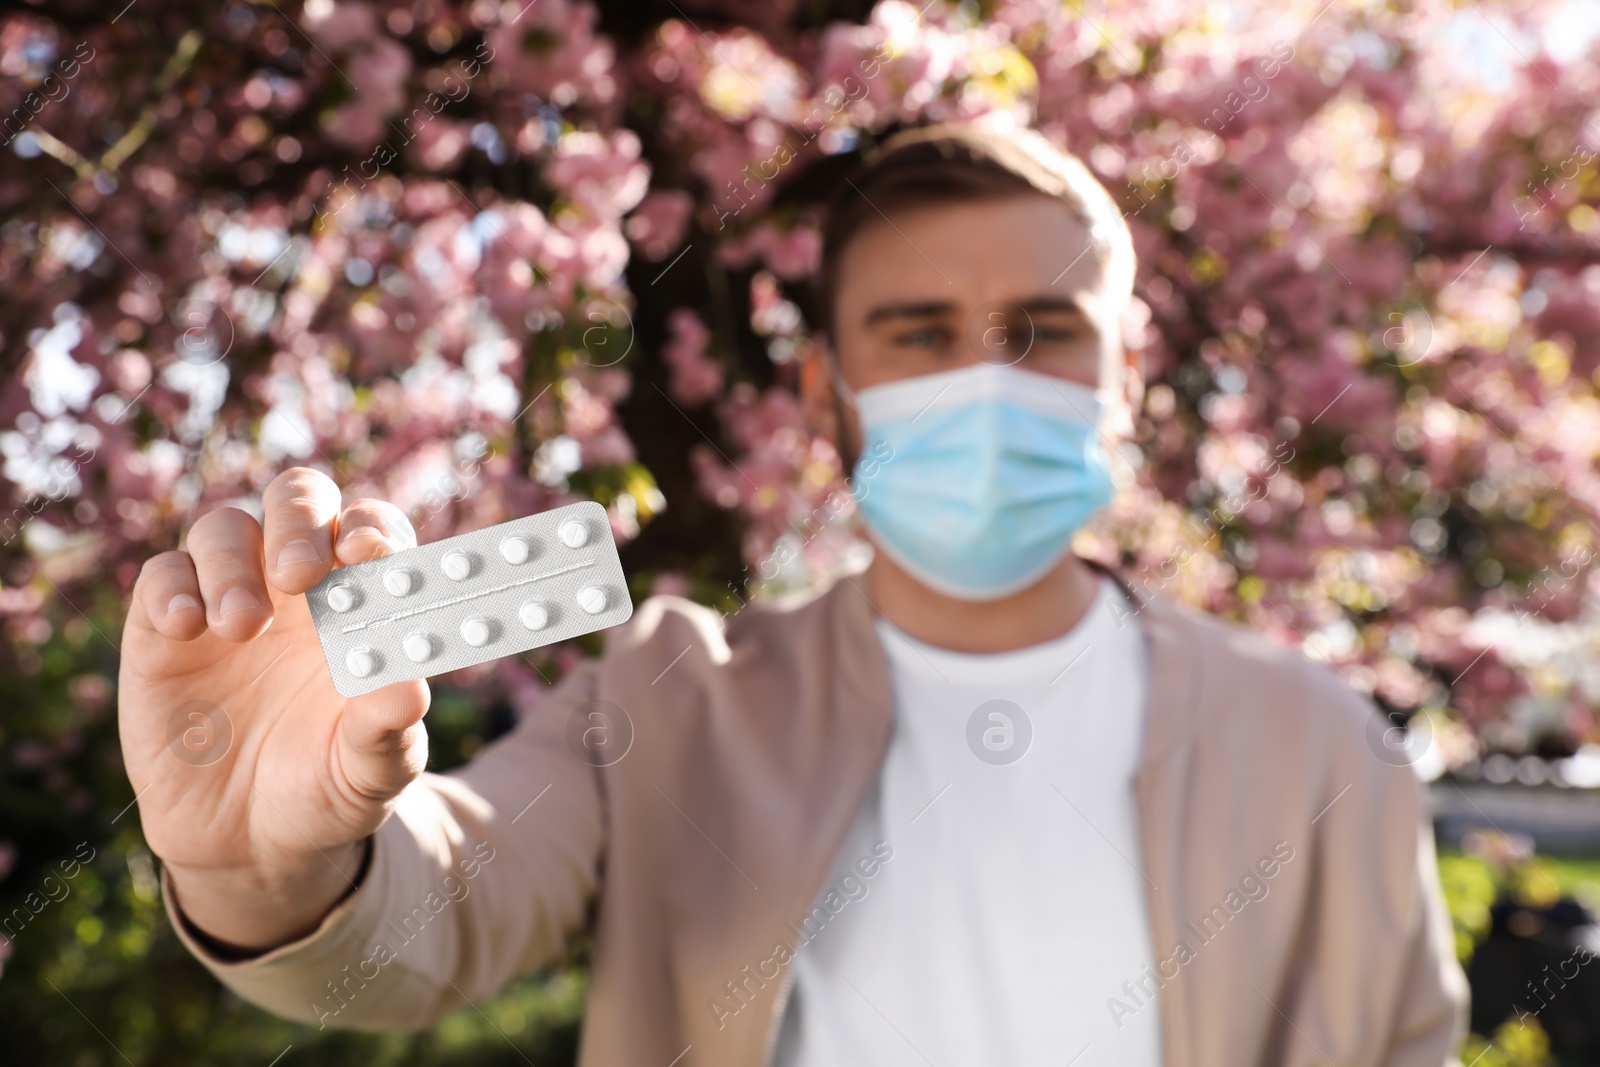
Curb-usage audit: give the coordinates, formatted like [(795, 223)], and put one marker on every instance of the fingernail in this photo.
[(237, 599), (301, 551), (182, 602), (349, 533)]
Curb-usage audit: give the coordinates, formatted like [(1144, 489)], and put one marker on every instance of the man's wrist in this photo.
[(239, 914)]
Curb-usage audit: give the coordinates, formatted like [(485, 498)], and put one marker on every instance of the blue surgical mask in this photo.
[(975, 480)]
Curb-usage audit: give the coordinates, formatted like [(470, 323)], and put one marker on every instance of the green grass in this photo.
[(1471, 885)]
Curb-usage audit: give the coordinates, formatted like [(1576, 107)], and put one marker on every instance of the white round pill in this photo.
[(514, 550), (533, 615), (475, 631), (398, 582), (592, 598), (418, 648), (456, 566), (359, 662), (574, 534), (341, 598)]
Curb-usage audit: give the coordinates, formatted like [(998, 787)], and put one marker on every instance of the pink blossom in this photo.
[(694, 378), (340, 26), (603, 174), (440, 144), (657, 225)]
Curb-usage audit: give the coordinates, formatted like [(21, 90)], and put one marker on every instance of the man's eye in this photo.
[(924, 338)]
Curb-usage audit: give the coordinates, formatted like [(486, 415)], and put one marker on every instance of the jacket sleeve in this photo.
[(477, 877), (1430, 1018), (1381, 953)]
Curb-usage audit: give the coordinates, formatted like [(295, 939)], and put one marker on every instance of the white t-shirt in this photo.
[(985, 908)]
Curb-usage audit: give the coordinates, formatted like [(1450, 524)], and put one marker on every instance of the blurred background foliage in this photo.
[(484, 259)]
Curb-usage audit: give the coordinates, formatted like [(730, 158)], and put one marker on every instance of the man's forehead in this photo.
[(1017, 249)]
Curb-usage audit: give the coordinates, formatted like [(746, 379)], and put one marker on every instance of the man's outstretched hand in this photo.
[(257, 782)]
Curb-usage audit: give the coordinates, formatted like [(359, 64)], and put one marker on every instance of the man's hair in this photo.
[(948, 164)]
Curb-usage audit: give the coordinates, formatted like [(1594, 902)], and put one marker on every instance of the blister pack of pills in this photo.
[(470, 598)]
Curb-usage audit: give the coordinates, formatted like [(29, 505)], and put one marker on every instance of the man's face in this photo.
[(1007, 281)]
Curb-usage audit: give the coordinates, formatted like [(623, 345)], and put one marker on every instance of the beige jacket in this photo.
[(1293, 900)]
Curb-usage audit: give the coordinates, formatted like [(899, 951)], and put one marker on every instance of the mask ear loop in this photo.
[(842, 395), (840, 389)]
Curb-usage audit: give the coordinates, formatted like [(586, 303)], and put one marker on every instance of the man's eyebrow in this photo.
[(1040, 305), (923, 310)]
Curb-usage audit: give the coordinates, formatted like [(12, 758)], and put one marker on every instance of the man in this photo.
[(978, 803)]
